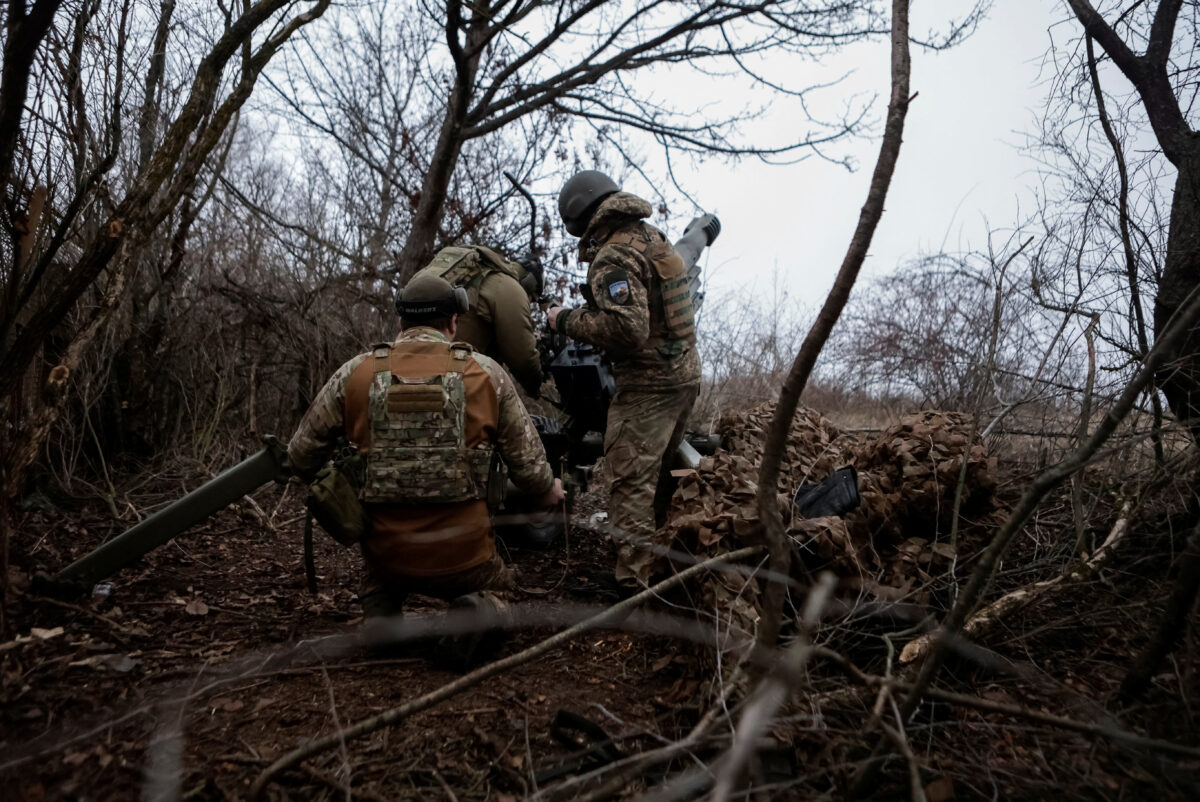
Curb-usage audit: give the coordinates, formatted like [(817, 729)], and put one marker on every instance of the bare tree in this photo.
[(505, 61), (1164, 76), (90, 194)]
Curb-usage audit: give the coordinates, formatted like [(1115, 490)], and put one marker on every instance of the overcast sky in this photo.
[(963, 164)]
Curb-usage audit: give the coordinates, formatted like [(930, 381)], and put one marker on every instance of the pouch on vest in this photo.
[(678, 314), (497, 483), (679, 318), (418, 437), (333, 500)]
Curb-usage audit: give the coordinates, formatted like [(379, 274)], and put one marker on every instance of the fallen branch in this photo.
[(1061, 722), (388, 718), (634, 766), (1104, 730), (773, 692), (983, 622), (916, 790)]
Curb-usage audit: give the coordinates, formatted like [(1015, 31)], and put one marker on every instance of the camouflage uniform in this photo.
[(639, 311), (499, 323), (440, 549)]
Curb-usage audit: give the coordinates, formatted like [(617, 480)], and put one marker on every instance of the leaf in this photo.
[(943, 550), (196, 607), (940, 790), (45, 634), (121, 663), (76, 758)]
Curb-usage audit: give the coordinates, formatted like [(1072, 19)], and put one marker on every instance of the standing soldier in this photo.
[(428, 415), (498, 323), (640, 312)]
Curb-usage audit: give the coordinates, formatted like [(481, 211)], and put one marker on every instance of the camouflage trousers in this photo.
[(643, 428), (384, 596)]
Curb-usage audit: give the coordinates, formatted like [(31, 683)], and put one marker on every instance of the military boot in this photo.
[(488, 618)]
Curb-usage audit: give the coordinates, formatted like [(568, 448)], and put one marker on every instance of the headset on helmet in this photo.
[(532, 276), (429, 296)]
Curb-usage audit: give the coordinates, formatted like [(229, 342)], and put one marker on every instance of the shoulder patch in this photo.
[(616, 284)]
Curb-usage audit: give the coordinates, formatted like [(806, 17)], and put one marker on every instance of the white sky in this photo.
[(963, 164)]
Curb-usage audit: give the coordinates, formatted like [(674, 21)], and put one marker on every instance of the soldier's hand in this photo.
[(552, 317), (554, 496)]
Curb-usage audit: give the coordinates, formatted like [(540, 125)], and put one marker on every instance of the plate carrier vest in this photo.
[(418, 436), (674, 297), (467, 266)]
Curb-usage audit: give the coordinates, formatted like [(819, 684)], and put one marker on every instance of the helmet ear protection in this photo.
[(531, 279), (529, 283), (416, 301)]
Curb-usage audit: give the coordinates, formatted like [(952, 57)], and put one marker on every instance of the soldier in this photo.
[(640, 312), (500, 292), (428, 414)]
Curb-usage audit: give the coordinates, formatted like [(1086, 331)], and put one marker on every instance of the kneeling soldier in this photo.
[(429, 416)]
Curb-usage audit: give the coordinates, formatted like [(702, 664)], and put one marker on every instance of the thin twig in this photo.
[(610, 616), (775, 438)]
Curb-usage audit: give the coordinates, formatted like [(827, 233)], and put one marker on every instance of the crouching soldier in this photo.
[(500, 293), (429, 416)]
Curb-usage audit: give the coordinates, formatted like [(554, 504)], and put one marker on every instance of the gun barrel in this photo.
[(245, 477), (699, 234)]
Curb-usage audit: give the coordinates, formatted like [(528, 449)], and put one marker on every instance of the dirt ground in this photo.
[(185, 653), (201, 661)]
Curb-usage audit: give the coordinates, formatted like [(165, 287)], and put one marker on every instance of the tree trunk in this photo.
[(1180, 376), (1173, 624), (427, 218), (418, 247)]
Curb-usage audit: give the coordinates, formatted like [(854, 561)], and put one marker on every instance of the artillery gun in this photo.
[(580, 372)]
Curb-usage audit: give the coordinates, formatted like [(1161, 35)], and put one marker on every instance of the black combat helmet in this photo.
[(580, 196), (428, 296)]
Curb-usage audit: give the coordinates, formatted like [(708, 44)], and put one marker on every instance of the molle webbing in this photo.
[(679, 319), (418, 434), (677, 308), (468, 266), (459, 266)]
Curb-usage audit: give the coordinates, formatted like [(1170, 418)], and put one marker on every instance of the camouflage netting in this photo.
[(907, 477)]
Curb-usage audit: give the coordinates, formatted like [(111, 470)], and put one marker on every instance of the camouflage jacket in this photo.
[(495, 412), (635, 310), (499, 323)]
